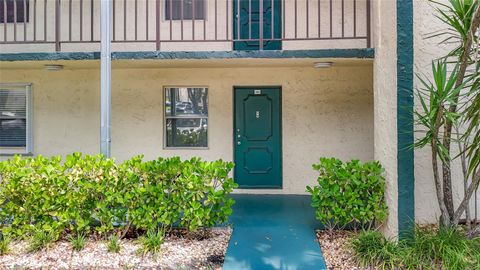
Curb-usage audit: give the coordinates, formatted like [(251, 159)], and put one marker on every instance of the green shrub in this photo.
[(85, 193), (151, 242), (373, 249), (113, 244), (349, 194), (426, 248), (92, 195), (191, 193), (42, 239), (29, 193), (78, 242), (46, 192), (4, 244), (447, 246)]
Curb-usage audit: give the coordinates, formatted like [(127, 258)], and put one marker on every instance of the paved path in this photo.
[(273, 232)]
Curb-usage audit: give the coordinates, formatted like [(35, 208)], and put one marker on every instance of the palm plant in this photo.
[(452, 100)]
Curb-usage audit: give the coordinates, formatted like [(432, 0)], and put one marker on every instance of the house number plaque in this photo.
[(257, 92)]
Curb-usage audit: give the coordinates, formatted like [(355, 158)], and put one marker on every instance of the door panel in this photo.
[(257, 138), (246, 27), (258, 125)]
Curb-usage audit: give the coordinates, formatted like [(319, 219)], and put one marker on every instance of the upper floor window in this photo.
[(15, 118), (21, 7), (173, 9), (186, 116)]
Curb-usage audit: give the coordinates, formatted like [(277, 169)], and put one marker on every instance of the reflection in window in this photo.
[(186, 113)]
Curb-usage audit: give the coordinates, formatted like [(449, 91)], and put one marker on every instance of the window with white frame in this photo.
[(186, 117), (15, 118)]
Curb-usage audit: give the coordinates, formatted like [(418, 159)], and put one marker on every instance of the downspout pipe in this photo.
[(105, 78)]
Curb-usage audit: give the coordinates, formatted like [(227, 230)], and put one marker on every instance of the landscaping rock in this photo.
[(335, 251), (178, 252)]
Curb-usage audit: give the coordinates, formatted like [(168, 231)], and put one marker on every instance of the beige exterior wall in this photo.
[(385, 93), (348, 111), (326, 112), (297, 26), (426, 50)]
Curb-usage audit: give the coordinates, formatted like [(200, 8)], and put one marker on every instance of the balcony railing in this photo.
[(68, 25)]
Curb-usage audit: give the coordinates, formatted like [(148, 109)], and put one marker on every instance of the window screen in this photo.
[(186, 116)]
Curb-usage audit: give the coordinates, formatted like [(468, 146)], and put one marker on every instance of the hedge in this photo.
[(85, 193)]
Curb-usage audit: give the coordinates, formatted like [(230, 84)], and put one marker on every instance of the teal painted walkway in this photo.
[(273, 232)]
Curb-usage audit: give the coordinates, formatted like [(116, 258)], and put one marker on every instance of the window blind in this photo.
[(13, 118)]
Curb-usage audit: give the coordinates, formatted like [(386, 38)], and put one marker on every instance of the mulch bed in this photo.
[(204, 250), (335, 251)]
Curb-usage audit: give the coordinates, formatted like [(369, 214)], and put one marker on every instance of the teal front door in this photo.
[(256, 20), (257, 137)]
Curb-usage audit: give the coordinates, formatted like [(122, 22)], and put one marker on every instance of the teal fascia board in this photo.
[(327, 53), (405, 103)]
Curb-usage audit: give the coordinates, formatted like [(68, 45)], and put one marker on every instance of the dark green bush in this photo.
[(349, 194), (91, 193)]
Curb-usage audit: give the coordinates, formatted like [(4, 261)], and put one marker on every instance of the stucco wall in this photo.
[(385, 93), (326, 112), (385, 87), (427, 50)]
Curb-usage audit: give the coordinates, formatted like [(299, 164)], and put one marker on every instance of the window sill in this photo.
[(186, 148), (16, 154), (12, 151)]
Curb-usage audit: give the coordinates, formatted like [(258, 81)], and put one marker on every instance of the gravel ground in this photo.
[(178, 252), (335, 251)]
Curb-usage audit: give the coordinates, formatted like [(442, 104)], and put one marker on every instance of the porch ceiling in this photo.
[(188, 63)]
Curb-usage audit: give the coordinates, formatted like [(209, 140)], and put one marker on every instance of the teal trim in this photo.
[(246, 24), (368, 53), (405, 154), (54, 56)]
